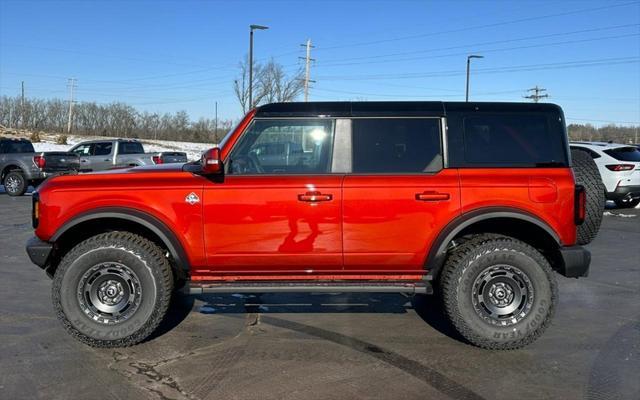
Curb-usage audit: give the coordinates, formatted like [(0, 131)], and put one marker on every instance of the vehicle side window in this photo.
[(102, 149), (592, 153), (17, 146), (83, 150), (396, 145), (284, 146), (512, 139), (130, 148)]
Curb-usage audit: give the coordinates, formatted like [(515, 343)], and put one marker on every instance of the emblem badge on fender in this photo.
[(192, 198)]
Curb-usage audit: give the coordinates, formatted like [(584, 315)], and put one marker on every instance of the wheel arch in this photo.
[(507, 221), (11, 167), (107, 219)]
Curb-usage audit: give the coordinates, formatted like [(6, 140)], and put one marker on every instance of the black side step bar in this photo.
[(418, 287)]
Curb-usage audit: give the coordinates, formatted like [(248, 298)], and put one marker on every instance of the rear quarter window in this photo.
[(507, 140), (130, 148), (625, 154)]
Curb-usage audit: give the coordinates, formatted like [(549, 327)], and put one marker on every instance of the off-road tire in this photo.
[(627, 204), (467, 263), (153, 276), (19, 183), (586, 174)]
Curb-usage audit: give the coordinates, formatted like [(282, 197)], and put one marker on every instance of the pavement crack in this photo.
[(148, 377)]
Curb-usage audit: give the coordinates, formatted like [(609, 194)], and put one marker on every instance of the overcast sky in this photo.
[(183, 55)]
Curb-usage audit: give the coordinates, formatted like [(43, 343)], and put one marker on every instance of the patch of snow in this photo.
[(610, 214)]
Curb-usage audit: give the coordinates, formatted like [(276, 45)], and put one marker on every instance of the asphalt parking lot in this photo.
[(333, 346)]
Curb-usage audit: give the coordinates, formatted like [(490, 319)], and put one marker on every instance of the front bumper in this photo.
[(624, 193), (39, 251), (576, 260)]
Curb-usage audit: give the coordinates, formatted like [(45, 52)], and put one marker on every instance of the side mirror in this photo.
[(211, 163)]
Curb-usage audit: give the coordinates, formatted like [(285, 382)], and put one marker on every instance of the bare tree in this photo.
[(270, 84)]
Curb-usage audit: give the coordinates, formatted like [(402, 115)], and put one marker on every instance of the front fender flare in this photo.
[(144, 219)]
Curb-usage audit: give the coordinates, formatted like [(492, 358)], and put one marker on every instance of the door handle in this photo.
[(432, 196), (314, 197), (107, 159)]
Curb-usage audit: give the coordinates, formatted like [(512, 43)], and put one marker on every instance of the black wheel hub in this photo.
[(502, 295), (109, 293)]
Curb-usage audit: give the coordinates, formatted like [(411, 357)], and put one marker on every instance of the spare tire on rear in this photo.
[(586, 174)]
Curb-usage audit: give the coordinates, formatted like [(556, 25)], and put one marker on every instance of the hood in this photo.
[(152, 176), (143, 169)]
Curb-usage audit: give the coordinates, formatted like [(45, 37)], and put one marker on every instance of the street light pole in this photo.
[(468, 70), (251, 29)]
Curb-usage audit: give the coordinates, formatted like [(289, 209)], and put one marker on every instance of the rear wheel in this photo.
[(499, 293), (627, 203), (113, 289), (15, 184), (586, 174)]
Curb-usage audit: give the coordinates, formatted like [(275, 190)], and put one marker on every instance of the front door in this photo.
[(278, 207), (398, 196)]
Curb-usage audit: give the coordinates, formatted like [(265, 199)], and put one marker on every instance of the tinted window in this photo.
[(396, 145), (102, 149), (625, 154), (130, 148), (84, 149), (17, 146), (512, 139), (290, 146)]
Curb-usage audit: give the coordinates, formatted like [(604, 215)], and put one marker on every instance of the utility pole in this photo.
[(251, 29), (536, 94), (307, 69), (215, 131), (468, 73), (71, 85), (22, 105)]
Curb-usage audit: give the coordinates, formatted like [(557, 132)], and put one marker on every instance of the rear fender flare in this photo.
[(438, 252)]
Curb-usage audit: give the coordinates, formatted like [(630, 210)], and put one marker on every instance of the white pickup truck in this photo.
[(100, 155)]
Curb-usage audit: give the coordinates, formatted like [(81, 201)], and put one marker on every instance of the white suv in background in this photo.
[(619, 167)]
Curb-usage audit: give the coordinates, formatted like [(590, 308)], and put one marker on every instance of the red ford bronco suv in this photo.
[(475, 200)]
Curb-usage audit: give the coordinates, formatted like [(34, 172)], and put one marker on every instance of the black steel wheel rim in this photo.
[(502, 295), (109, 293)]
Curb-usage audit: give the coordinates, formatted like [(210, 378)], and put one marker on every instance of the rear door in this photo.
[(399, 195), (101, 157), (272, 212)]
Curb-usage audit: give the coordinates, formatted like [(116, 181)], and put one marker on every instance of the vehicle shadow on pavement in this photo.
[(428, 308)]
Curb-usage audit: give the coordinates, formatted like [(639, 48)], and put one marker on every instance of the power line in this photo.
[(514, 68), (476, 45), (508, 22)]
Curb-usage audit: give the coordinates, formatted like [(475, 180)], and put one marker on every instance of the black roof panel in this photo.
[(391, 108)]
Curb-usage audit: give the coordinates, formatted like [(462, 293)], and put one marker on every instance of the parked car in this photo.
[(619, 167), (100, 155), (21, 166), (478, 198)]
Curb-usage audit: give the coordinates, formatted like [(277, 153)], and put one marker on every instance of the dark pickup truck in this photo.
[(21, 165)]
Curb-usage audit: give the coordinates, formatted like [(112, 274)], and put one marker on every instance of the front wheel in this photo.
[(112, 290), (499, 293)]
